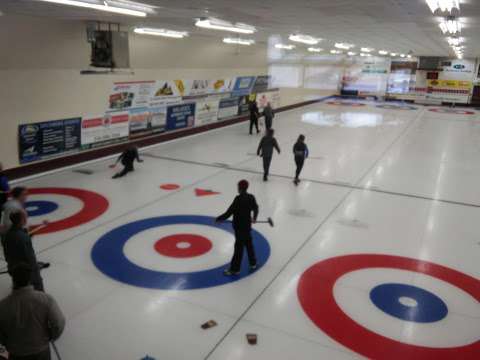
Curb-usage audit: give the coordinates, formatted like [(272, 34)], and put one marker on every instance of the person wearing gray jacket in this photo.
[(29, 319), (269, 114), (265, 150)]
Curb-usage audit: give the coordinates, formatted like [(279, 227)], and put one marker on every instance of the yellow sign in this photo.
[(451, 84)]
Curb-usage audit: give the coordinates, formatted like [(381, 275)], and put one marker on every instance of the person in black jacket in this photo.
[(127, 158), (4, 189), (300, 151), (269, 114), (265, 150), (18, 248), (254, 115), (242, 208)]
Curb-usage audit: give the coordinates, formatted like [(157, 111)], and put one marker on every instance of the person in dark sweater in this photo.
[(18, 248), (269, 114), (4, 189), (127, 158), (265, 150), (254, 115), (300, 151), (242, 209)]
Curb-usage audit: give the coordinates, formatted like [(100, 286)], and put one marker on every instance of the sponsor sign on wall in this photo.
[(132, 94), (180, 116), (243, 85), (46, 139), (206, 110), (228, 108), (158, 118), (139, 118), (262, 83), (107, 128)]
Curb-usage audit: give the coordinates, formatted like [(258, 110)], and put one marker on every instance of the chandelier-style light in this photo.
[(450, 25), (443, 5)]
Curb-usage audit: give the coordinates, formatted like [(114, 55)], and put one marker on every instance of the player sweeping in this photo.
[(127, 158), (300, 151), (244, 210)]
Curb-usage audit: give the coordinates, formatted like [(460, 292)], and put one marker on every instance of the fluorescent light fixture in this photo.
[(103, 7), (365, 54), (336, 51), (450, 25), (367, 49), (161, 32), (344, 46), (393, 54), (217, 24), (238, 41), (402, 55), (351, 53), (443, 5), (285, 46), (383, 52), (313, 49), (409, 56), (455, 41), (305, 39)]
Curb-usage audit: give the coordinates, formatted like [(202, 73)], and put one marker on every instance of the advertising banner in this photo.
[(47, 139), (158, 118), (180, 116), (132, 94), (207, 110), (228, 108), (243, 85), (262, 84), (139, 119), (221, 86), (110, 127)]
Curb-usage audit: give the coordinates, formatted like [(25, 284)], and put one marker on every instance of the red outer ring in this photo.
[(94, 205), (315, 293), (458, 112), (199, 245)]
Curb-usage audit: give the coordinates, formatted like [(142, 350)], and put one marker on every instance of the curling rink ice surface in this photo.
[(374, 255)]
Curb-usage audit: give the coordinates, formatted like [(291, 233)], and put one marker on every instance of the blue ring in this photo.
[(430, 308), (108, 257), (41, 207), (396, 107)]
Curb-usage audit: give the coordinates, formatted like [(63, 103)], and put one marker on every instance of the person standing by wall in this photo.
[(254, 115), (265, 150), (29, 319), (244, 210), (127, 158), (300, 152), (18, 248), (269, 115), (4, 189)]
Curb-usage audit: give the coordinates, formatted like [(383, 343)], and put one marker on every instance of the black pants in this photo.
[(243, 239), (254, 121), (299, 161), (45, 355), (127, 168), (268, 123), (266, 165)]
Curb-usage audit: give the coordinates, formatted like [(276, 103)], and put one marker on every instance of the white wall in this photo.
[(41, 60)]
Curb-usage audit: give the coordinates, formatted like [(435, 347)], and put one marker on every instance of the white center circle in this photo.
[(407, 301), (183, 245)]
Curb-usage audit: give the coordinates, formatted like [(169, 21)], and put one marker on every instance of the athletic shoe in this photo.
[(228, 272)]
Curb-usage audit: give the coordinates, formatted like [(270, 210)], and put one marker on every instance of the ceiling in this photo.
[(395, 25)]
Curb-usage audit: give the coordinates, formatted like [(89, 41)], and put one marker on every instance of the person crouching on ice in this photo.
[(242, 209), (127, 158)]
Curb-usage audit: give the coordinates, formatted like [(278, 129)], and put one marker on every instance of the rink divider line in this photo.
[(322, 182)]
